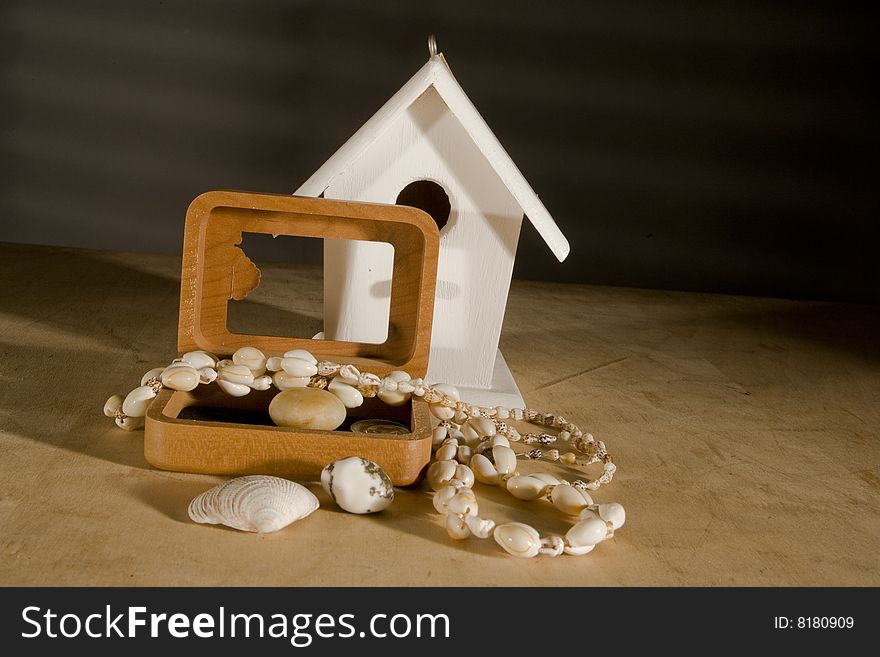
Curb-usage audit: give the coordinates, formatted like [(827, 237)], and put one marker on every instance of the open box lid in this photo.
[(215, 271)]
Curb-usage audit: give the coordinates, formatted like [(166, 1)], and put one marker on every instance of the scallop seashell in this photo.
[(440, 473), (256, 503), (518, 539), (252, 358), (136, 402), (298, 366), (613, 513), (199, 359), (283, 381), (181, 378), (357, 485), (351, 397), (505, 459), (155, 373), (273, 363), (525, 487), (483, 469), (236, 374), (130, 423), (302, 354), (483, 426), (588, 531), (233, 389), (569, 499), (112, 405)]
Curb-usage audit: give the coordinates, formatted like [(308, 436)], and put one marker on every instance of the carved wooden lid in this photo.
[(216, 270)]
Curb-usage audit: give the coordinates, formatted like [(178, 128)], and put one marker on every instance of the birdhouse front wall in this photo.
[(477, 245)]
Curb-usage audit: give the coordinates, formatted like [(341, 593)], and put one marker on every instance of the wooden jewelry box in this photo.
[(215, 271)]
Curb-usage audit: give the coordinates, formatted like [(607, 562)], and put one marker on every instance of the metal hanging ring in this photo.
[(432, 46)]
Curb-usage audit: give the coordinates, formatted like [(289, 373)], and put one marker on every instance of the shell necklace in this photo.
[(470, 443)]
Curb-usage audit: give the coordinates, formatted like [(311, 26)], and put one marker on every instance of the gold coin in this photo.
[(379, 426)]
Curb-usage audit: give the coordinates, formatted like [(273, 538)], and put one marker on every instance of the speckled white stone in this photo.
[(357, 485)]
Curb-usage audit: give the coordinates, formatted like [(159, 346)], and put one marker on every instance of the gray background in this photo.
[(711, 146)]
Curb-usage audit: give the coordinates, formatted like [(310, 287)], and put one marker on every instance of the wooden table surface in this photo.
[(745, 430)]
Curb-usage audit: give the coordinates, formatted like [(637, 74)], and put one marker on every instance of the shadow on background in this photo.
[(722, 147)]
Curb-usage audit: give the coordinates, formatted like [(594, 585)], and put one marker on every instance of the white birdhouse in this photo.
[(428, 147)]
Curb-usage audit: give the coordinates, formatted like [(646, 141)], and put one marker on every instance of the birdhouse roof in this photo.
[(436, 73)]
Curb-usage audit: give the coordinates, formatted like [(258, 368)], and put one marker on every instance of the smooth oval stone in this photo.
[(307, 408)]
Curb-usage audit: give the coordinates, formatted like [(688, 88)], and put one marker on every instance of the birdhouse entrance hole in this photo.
[(428, 196)]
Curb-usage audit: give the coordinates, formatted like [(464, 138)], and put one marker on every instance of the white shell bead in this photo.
[(349, 396), (357, 485), (465, 475), (483, 426), (130, 423), (181, 378), (500, 440), (447, 452), (273, 363), (252, 358), (112, 405), (199, 359), (155, 373), (442, 497), (470, 434), (502, 413), (349, 374), (448, 390), (526, 487), (613, 513), (456, 527), (438, 436), (283, 380), (577, 551), (257, 503), (439, 473), (236, 374), (136, 402), (505, 459), (262, 382), (207, 375), (569, 499), (465, 454), (479, 527), (393, 397), (483, 469), (545, 477), (233, 389), (587, 532), (442, 412), (303, 354), (298, 367), (464, 503), (518, 539)]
